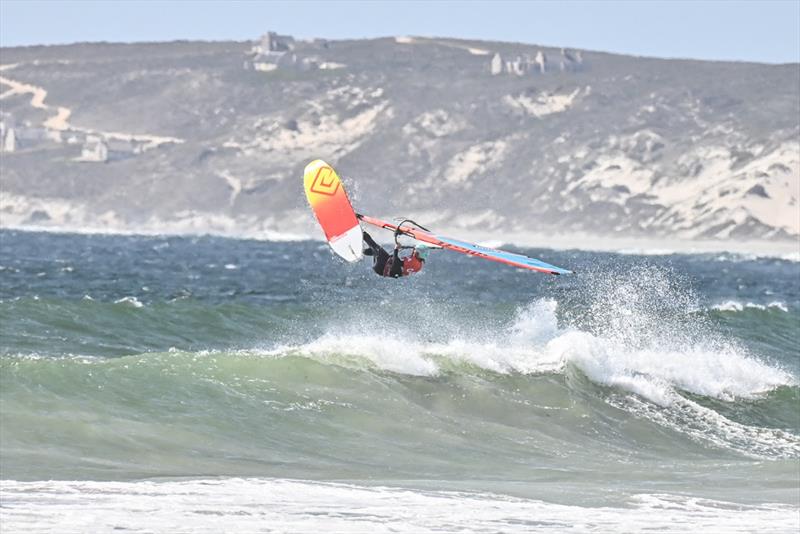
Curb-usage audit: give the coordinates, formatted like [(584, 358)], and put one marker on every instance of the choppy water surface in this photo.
[(284, 389)]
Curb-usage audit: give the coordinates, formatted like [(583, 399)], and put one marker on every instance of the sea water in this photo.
[(202, 384)]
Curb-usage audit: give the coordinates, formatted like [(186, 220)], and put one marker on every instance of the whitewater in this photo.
[(206, 384)]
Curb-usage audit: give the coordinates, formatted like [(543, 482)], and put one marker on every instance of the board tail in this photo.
[(328, 199)]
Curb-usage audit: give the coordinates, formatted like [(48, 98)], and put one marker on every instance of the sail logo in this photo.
[(325, 182)]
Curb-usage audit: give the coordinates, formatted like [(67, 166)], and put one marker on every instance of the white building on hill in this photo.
[(94, 149)]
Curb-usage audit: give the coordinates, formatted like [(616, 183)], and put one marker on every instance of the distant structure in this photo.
[(9, 141), (518, 66), (94, 146), (541, 61), (100, 149), (522, 65), (121, 148), (272, 42), (496, 65), (8, 135), (273, 51), (571, 62), (94, 149), (14, 136)]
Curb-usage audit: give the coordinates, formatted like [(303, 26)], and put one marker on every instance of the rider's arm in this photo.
[(368, 239)]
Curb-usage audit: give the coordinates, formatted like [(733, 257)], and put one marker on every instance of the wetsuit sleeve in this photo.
[(368, 239), (377, 250), (397, 265)]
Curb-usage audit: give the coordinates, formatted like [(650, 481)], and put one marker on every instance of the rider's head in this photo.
[(421, 251)]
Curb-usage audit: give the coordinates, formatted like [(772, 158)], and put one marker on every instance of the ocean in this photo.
[(207, 384)]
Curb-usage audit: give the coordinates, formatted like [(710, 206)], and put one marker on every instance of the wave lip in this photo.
[(637, 361)]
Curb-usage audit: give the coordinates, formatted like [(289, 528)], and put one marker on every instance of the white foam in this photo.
[(656, 373), (629, 354), (791, 256), (129, 301), (736, 306), (385, 352), (251, 505)]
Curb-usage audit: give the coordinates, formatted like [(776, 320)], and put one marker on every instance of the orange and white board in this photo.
[(332, 208)]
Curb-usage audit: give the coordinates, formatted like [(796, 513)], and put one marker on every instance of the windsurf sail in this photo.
[(502, 256)]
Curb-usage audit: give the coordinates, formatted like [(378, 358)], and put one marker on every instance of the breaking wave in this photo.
[(636, 350)]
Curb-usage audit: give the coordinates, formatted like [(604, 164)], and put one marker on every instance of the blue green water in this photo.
[(175, 360)]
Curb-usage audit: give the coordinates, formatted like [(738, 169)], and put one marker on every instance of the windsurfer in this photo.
[(394, 265)]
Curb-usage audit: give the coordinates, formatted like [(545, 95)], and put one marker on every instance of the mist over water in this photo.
[(128, 361)]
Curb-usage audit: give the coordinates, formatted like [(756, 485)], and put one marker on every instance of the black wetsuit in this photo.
[(380, 257)]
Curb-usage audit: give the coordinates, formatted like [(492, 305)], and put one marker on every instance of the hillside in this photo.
[(503, 138)]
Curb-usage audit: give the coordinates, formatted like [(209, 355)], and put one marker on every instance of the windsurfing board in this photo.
[(456, 245), (329, 202)]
